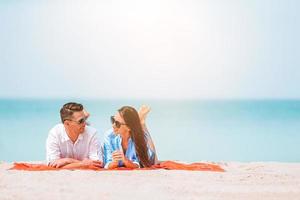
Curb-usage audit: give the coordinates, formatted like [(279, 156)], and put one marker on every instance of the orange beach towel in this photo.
[(169, 165)]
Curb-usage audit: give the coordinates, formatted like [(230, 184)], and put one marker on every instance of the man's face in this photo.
[(78, 122)]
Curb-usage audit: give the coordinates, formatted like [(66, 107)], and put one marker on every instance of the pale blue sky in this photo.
[(150, 49)]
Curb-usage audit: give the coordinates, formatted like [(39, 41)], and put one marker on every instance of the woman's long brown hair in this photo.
[(137, 134)]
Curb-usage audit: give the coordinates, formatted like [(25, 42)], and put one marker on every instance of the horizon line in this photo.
[(151, 99)]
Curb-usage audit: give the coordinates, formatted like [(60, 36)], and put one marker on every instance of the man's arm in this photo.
[(54, 159), (83, 163), (94, 149), (53, 151), (92, 160), (61, 162)]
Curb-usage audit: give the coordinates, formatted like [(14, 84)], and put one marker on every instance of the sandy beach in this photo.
[(259, 180)]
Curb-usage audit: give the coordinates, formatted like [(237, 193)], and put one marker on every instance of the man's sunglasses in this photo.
[(115, 122), (81, 121)]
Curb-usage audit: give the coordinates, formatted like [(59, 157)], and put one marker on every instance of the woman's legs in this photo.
[(143, 112)]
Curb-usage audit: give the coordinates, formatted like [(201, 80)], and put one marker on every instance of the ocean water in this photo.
[(194, 130)]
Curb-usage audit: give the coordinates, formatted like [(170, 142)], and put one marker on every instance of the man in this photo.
[(73, 143)]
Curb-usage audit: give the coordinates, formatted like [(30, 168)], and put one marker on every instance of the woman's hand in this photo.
[(118, 156)]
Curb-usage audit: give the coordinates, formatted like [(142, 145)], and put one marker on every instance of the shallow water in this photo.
[(218, 130)]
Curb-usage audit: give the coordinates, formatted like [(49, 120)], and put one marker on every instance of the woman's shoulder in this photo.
[(110, 135)]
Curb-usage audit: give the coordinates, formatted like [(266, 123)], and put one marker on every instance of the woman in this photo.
[(128, 145)]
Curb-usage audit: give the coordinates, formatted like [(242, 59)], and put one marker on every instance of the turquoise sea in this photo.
[(187, 130)]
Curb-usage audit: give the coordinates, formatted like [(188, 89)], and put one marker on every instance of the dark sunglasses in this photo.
[(116, 123), (81, 121)]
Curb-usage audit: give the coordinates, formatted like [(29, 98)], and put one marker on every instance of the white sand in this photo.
[(240, 181)]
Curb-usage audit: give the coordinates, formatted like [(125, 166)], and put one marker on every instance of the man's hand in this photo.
[(60, 162), (88, 162), (67, 161)]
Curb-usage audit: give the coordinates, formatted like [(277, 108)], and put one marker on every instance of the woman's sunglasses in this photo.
[(116, 123)]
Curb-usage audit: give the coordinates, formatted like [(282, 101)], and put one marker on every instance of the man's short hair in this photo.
[(66, 112)]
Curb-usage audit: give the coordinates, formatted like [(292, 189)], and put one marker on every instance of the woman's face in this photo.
[(119, 125)]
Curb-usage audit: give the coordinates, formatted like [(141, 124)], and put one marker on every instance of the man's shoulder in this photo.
[(90, 130), (57, 133), (57, 129)]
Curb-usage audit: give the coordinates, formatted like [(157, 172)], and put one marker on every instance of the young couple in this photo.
[(73, 143)]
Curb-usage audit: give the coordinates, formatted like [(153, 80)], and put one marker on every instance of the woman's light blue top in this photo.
[(113, 142)]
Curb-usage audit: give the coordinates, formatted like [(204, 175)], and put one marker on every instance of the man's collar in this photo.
[(80, 137), (66, 137)]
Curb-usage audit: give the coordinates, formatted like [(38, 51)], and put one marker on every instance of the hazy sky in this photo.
[(150, 49)]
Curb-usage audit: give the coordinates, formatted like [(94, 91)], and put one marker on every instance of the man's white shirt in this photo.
[(59, 145)]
